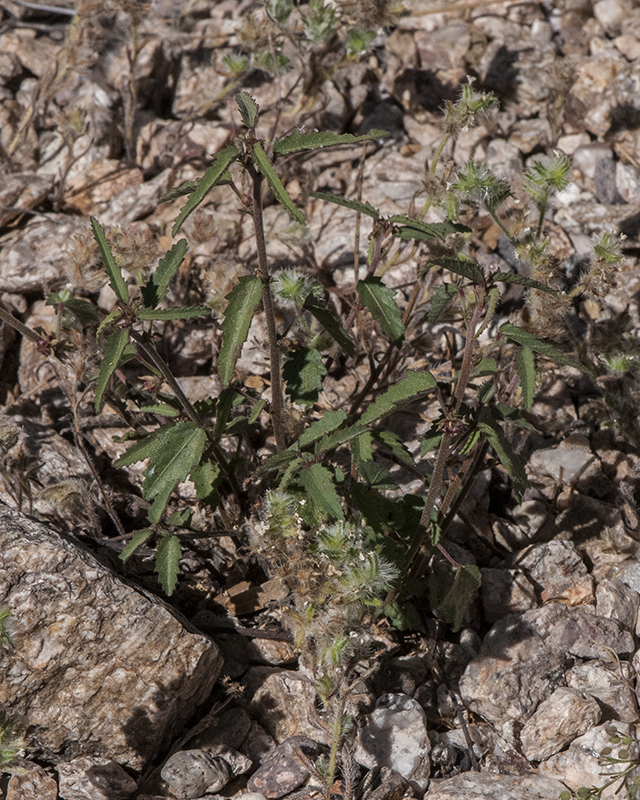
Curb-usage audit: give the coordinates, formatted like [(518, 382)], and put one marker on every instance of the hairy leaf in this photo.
[(156, 287), (249, 109), (393, 443), (375, 475), (379, 299), (442, 297), (173, 451), (211, 177), (116, 281), (173, 313), (430, 441), (327, 423), (525, 339), (168, 557), (278, 460), (510, 414), (454, 603), (362, 447), (354, 205), (412, 386), (331, 325), (243, 300), (282, 196), (116, 343), (298, 141), (513, 277), (527, 371), (161, 408), (512, 463), (461, 265), (415, 229), (304, 372), (84, 311), (321, 490), (488, 366), (204, 477), (138, 539)]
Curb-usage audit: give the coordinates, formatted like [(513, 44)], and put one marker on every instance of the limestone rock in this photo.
[(98, 668), (610, 684), (282, 770), (283, 701), (558, 720), (91, 778), (395, 736), (31, 783), (557, 571), (615, 600), (192, 773), (476, 786)]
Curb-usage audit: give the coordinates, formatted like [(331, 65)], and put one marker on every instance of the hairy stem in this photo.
[(277, 403)]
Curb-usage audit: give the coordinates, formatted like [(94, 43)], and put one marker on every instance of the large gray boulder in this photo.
[(99, 668)]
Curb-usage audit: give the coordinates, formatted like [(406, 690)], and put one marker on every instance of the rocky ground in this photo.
[(105, 108)]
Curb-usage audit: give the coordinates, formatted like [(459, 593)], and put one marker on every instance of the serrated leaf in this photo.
[(354, 205), (139, 538), (116, 281), (430, 441), (408, 389), (460, 265), (243, 300), (525, 339), (211, 177), (393, 443), (278, 460), (375, 475), (188, 312), (304, 372), (527, 371), (107, 321), (327, 423), (84, 311), (520, 280), (454, 603), (442, 297), (331, 325), (249, 109), (204, 477), (161, 408), (494, 434), (298, 141), (116, 343), (379, 300), (486, 392), (190, 186), (282, 196), (416, 229), (488, 366), (318, 483), (156, 287), (512, 415), (168, 557), (173, 451), (362, 447)]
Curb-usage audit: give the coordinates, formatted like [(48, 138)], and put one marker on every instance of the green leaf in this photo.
[(327, 423), (84, 311), (510, 414), (362, 448), (278, 460), (520, 280), (168, 556), (321, 491), (442, 297), (156, 287), (354, 205), (116, 343), (416, 229), (488, 366), (393, 443), (161, 408), (298, 141), (375, 475), (204, 477), (454, 603), (173, 313), (282, 196), (494, 434), (107, 321), (243, 300), (211, 177), (304, 372), (139, 538), (331, 325), (430, 441), (112, 268), (173, 451), (379, 299), (249, 109), (525, 339), (189, 186), (527, 371), (412, 386), (461, 265)]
